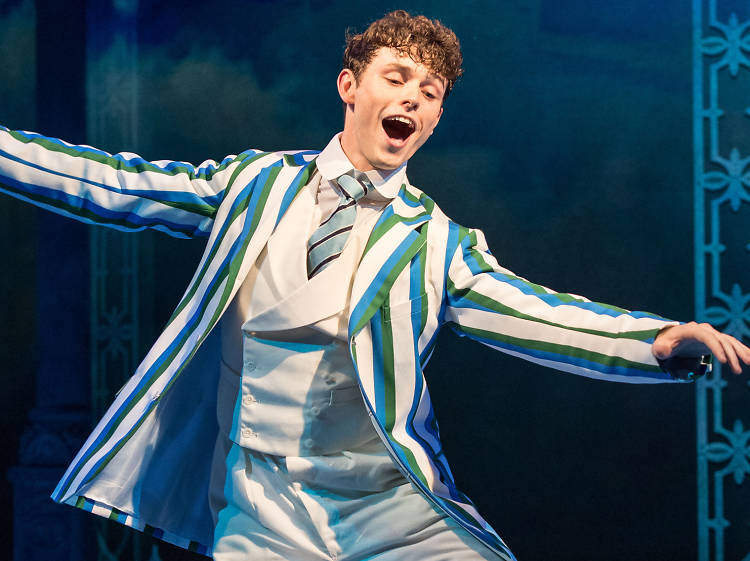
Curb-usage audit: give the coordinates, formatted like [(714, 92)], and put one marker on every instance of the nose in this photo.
[(410, 95)]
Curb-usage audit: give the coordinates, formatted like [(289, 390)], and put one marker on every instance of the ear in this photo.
[(347, 84), (440, 114)]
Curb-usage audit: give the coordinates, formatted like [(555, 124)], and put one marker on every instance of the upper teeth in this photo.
[(403, 120)]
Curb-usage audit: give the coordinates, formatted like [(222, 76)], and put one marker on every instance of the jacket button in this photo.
[(308, 443), (315, 410)]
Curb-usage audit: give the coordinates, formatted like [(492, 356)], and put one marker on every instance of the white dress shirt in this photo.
[(333, 162)]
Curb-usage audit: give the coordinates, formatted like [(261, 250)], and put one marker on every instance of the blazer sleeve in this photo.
[(490, 304), (122, 191)]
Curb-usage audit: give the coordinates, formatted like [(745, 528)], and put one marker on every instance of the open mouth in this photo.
[(398, 128)]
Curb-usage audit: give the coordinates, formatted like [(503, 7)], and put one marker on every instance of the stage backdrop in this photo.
[(569, 141)]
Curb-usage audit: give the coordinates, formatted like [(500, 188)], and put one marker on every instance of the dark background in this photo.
[(568, 142)]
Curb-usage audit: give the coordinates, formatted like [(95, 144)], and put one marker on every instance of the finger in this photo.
[(710, 337), (743, 352), (731, 354)]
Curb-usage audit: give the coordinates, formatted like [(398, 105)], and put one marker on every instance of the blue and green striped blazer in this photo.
[(420, 271)]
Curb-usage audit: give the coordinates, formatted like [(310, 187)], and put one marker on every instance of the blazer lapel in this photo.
[(293, 176), (392, 244)]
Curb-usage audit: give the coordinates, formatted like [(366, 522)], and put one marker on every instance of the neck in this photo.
[(351, 149)]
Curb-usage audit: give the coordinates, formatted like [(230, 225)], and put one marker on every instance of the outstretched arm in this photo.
[(122, 191), (492, 305)]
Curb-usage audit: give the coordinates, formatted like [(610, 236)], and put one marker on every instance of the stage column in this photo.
[(61, 415)]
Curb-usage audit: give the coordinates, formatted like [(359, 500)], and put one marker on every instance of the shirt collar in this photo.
[(332, 162)]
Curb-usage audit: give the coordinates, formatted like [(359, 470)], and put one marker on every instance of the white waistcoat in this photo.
[(288, 382)]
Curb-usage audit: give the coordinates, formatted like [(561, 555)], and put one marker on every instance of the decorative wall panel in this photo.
[(112, 103), (721, 120)]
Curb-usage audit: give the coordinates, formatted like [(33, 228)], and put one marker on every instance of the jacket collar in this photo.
[(394, 241)]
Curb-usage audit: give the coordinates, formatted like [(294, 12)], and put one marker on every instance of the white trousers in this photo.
[(350, 506)]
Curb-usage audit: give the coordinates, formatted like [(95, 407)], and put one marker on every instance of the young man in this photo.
[(329, 276)]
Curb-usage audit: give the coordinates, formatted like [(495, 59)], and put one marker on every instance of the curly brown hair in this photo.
[(426, 41)]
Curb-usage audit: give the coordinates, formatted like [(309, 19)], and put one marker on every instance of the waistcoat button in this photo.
[(250, 365)]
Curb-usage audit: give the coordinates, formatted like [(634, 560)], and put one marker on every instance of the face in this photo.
[(391, 110)]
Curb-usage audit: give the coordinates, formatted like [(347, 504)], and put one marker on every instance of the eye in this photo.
[(430, 95), (394, 81)]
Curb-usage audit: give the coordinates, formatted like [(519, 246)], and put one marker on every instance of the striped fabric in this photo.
[(327, 242), (127, 519), (420, 271)]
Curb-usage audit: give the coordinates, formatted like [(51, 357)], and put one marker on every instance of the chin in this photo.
[(389, 161), (384, 164), (387, 166)]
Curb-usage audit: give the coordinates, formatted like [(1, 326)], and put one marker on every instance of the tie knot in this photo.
[(354, 184)]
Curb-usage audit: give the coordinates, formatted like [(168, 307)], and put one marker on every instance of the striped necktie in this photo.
[(327, 242)]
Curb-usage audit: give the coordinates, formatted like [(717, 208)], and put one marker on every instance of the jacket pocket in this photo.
[(405, 308)]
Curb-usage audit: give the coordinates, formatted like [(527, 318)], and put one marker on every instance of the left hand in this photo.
[(695, 339)]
